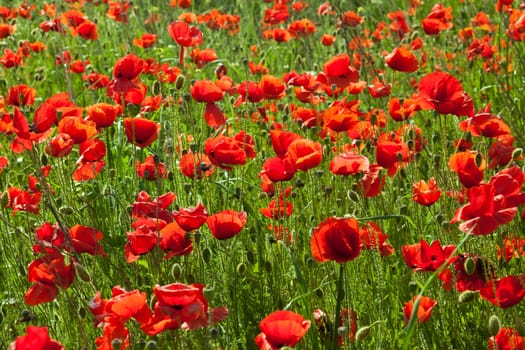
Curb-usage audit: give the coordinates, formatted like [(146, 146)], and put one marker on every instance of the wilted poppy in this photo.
[(424, 308), (226, 224), (140, 131), (336, 239), (281, 328), (373, 238)]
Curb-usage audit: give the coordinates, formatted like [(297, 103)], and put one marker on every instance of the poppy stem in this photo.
[(339, 301), (181, 56)]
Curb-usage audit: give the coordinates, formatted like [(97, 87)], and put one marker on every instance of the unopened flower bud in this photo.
[(494, 325)]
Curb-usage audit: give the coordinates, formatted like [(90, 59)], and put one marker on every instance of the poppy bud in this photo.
[(342, 331), (268, 266), (469, 266), (352, 195), (467, 296), (208, 292), (156, 88), (115, 344), (4, 200), (478, 160), (151, 345), (362, 333), (82, 272), (241, 268), (319, 293), (66, 210), (82, 312), (251, 257), (520, 327), (494, 325), (179, 82), (176, 271), (26, 316), (43, 159), (214, 332), (206, 254)]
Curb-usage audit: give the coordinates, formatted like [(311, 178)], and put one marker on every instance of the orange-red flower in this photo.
[(151, 169), (468, 166), (226, 224), (196, 165), (206, 91), (145, 41), (349, 163), (439, 18), (20, 95), (336, 239), (426, 193), (226, 151), (103, 114), (424, 308), (36, 338), (402, 60), (140, 131), (305, 154), (444, 93), (281, 328), (338, 71)]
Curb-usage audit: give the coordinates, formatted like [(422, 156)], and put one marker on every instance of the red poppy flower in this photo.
[(476, 277), (424, 257), (349, 163), (60, 145), (391, 154), (305, 154), (86, 240), (196, 165), (11, 59), (490, 205), (281, 140), (175, 241), (226, 224), (439, 18), (444, 93), (467, 167), (339, 72), (140, 131), (507, 339), (373, 182), (151, 169), (373, 238), (79, 130), (504, 292), (340, 118), (513, 247), (272, 87), (226, 151), (485, 124), (426, 194), (201, 57), (281, 328), (327, 39), (87, 30), (424, 308), (184, 35), (336, 239), (6, 30), (278, 169), (402, 60), (20, 95), (103, 114), (190, 219), (206, 91), (250, 90), (36, 338), (402, 110), (147, 40)]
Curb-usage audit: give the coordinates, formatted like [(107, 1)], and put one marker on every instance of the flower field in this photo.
[(271, 174)]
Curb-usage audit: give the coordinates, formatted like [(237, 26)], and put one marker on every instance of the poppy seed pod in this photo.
[(494, 325)]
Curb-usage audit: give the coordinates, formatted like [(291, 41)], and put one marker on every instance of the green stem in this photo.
[(339, 300)]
